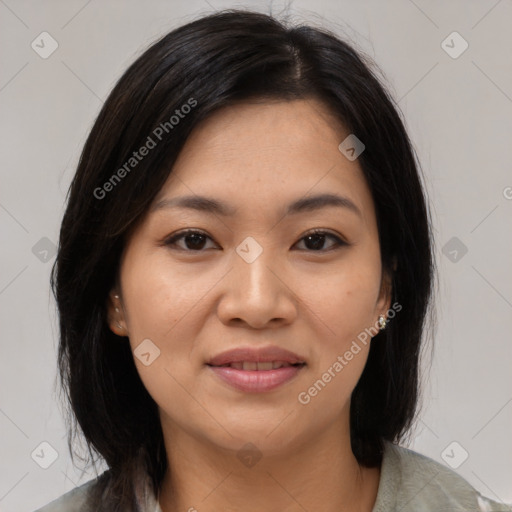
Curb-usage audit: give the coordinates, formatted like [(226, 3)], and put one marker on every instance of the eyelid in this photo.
[(327, 232), (182, 234), (339, 240)]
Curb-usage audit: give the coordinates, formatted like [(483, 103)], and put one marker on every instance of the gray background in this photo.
[(458, 112)]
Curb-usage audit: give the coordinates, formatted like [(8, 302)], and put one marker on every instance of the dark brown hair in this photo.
[(216, 61)]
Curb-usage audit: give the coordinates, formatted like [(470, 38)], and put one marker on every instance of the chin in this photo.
[(269, 437)]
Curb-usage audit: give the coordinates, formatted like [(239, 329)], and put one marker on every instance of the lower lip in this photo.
[(256, 381)]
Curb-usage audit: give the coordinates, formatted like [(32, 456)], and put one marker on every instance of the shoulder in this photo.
[(74, 500), (411, 481), (79, 499)]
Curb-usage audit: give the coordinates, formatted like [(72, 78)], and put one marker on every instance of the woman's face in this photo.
[(252, 278)]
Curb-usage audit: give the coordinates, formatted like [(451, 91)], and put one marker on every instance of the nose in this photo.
[(257, 294)]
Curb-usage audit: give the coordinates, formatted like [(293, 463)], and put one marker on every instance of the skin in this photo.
[(311, 300)]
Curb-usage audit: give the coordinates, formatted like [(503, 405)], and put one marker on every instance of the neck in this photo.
[(324, 471)]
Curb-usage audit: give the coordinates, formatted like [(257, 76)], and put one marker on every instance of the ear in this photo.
[(386, 290), (115, 313)]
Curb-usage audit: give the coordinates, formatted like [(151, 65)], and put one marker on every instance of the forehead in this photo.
[(266, 154)]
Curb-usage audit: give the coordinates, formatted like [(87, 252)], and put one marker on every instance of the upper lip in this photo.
[(261, 355)]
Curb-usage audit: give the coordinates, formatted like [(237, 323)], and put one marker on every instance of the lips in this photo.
[(258, 366), (254, 359), (256, 370)]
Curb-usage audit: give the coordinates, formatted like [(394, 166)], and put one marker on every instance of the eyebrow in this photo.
[(213, 206)]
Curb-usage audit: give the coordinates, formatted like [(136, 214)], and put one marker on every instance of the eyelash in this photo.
[(183, 234)]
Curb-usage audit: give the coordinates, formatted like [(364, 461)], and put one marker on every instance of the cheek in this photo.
[(342, 306), (344, 302), (167, 307), (341, 312), (157, 296), (161, 311)]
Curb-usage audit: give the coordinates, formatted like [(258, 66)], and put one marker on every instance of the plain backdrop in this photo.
[(457, 106)]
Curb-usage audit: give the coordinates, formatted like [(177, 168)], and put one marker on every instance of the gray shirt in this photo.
[(409, 482)]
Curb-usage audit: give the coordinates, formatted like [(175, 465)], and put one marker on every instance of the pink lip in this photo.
[(256, 381), (260, 354)]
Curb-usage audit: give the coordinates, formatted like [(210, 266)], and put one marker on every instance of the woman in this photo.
[(243, 280)]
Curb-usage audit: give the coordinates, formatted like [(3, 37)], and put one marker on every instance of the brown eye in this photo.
[(315, 241), (194, 240)]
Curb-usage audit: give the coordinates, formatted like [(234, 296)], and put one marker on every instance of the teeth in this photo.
[(253, 365), (265, 366), (279, 364)]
